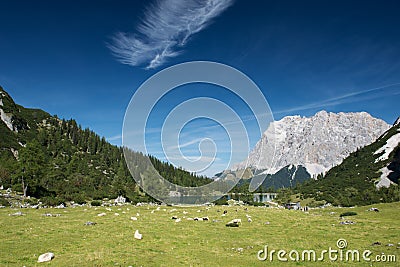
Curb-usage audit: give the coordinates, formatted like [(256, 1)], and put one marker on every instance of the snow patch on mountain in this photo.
[(314, 169), (384, 181), (390, 145), (6, 118), (318, 143)]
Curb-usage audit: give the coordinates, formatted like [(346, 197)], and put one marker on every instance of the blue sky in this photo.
[(305, 56)]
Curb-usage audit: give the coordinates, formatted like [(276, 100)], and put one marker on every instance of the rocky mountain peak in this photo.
[(317, 143)]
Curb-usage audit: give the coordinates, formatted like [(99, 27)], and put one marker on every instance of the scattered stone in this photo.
[(89, 223), (137, 235), (390, 245), (120, 200), (249, 220), (374, 209), (51, 215), (18, 213), (109, 209), (240, 250), (101, 214), (347, 222), (216, 221), (46, 257), (236, 221), (133, 218), (189, 219), (377, 243), (267, 223), (232, 224), (116, 214), (61, 206), (178, 220), (185, 212)]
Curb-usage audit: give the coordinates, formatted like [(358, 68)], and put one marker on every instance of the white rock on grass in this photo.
[(46, 257), (133, 218), (101, 214), (236, 221), (138, 235)]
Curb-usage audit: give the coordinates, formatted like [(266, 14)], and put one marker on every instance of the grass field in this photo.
[(191, 243)]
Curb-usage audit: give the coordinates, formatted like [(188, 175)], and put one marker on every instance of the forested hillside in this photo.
[(356, 180), (56, 160)]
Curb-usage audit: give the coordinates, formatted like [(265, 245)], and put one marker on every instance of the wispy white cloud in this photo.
[(114, 138), (352, 97), (165, 29)]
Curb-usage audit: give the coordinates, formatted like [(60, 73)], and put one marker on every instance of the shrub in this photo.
[(78, 198), (95, 203), (348, 213), (257, 204), (31, 201), (52, 201), (4, 202)]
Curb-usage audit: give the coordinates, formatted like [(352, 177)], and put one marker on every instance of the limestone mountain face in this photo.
[(318, 143)]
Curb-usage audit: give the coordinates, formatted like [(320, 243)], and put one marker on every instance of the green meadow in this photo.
[(165, 242)]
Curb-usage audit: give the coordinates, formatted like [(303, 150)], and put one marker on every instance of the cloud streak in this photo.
[(343, 99), (165, 29)]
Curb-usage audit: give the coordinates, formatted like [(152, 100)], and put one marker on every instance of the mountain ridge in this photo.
[(57, 161), (318, 142), (364, 177)]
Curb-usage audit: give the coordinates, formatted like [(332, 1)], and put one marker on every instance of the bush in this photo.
[(4, 202), (95, 203), (257, 204), (31, 201), (78, 198), (348, 213), (52, 201)]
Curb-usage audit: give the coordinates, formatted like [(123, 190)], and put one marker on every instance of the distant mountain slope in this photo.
[(369, 175), (318, 143), (56, 158), (288, 176)]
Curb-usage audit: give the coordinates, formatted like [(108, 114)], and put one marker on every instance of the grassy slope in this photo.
[(188, 243)]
